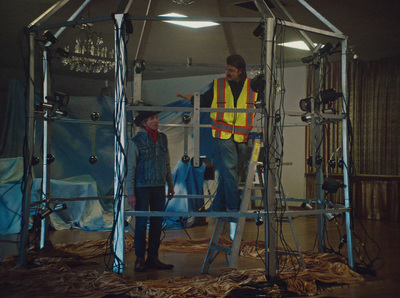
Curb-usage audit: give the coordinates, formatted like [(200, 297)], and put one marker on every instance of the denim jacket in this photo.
[(148, 163)]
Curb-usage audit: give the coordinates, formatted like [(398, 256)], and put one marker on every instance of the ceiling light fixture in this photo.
[(299, 45), (186, 2), (190, 24)]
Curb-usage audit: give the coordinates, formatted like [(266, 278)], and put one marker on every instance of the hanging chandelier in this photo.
[(89, 53)]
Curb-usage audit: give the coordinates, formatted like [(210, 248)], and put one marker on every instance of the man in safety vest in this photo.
[(230, 129)]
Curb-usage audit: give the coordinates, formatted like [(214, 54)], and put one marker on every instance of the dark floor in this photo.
[(379, 238)]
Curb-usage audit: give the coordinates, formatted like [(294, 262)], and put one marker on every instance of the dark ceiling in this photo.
[(372, 28)]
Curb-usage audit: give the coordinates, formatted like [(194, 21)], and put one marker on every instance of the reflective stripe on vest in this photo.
[(225, 124)]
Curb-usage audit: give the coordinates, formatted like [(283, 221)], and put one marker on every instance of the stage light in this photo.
[(202, 158), (305, 104), (318, 161), (43, 213), (329, 95), (59, 207), (59, 98), (325, 50), (306, 118), (50, 37), (308, 206), (257, 83), (330, 185), (329, 216), (259, 31)]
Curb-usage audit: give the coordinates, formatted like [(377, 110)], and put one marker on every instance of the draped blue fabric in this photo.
[(72, 174)]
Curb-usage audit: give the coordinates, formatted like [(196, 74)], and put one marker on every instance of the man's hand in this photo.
[(186, 96), (132, 201)]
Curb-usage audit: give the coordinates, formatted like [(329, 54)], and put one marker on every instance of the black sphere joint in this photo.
[(50, 158), (185, 159), (95, 116), (186, 119), (93, 159), (35, 160)]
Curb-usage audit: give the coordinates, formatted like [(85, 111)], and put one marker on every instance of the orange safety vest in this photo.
[(224, 124)]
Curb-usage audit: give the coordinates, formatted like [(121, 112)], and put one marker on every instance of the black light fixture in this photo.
[(325, 50), (305, 104), (43, 213), (329, 95), (49, 37), (259, 31), (59, 98), (53, 108), (308, 206), (330, 185), (257, 83), (201, 161), (318, 161)]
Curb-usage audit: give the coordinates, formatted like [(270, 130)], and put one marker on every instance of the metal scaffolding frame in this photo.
[(269, 22)]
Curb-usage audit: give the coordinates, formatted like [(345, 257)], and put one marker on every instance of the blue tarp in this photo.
[(72, 144)]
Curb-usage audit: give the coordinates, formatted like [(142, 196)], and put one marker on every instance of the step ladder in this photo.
[(232, 253)]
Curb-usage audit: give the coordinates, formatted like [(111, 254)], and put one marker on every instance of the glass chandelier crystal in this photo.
[(89, 54)]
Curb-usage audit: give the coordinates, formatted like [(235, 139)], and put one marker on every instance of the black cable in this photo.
[(119, 108)]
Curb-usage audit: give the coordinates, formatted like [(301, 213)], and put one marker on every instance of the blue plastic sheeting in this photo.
[(72, 144), (187, 180), (87, 215)]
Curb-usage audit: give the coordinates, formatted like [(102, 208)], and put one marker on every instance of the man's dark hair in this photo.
[(238, 62)]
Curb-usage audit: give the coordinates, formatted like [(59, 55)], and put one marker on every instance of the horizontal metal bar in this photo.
[(195, 19), (312, 29), (189, 109), (82, 198), (193, 196), (256, 214), (71, 23)]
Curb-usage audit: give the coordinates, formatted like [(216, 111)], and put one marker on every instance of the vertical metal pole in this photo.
[(319, 175), (345, 150), (45, 179), (46, 126), (27, 177), (120, 129), (271, 257), (196, 130)]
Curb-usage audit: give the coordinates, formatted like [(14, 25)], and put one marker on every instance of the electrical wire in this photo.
[(120, 169)]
